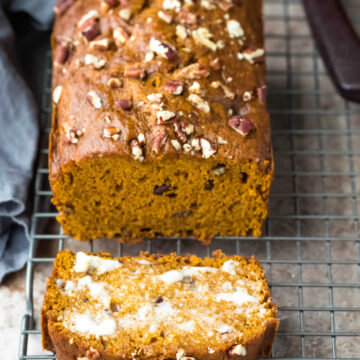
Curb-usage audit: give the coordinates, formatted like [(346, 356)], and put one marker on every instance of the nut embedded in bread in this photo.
[(158, 307), (187, 77)]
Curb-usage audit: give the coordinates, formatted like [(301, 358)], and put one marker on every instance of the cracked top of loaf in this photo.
[(159, 78), (154, 306)]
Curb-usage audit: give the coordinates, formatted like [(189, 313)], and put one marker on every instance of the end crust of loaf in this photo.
[(158, 307)]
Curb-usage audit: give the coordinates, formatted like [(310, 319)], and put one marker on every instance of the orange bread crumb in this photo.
[(158, 307)]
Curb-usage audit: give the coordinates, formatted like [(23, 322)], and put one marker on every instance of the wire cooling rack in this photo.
[(310, 248)]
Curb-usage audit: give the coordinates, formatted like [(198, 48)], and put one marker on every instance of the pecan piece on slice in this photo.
[(254, 55), (159, 136), (194, 71), (237, 351), (174, 87), (137, 150), (261, 92), (92, 354), (94, 99), (180, 132), (165, 115), (73, 135), (207, 148), (241, 124), (164, 50), (120, 35), (111, 132), (101, 44), (134, 71)]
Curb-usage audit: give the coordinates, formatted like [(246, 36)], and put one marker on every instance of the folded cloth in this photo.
[(18, 137)]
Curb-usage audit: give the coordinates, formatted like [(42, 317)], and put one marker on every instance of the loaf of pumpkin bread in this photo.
[(160, 124), (158, 307)]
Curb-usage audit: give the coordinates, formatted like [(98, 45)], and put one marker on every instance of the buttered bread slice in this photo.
[(158, 307)]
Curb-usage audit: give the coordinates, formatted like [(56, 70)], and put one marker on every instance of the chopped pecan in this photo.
[(73, 134), (94, 99), (92, 354), (194, 71), (164, 50), (174, 87), (165, 115), (62, 52), (247, 96), (137, 151), (199, 103), (188, 128), (57, 94), (176, 145), (134, 71), (254, 55), (120, 35), (187, 18), (187, 147), (102, 44), (125, 14), (123, 104), (141, 138), (227, 91), (159, 137), (237, 351), (89, 25), (165, 16), (207, 148), (91, 32), (241, 124), (180, 355), (195, 88), (180, 132), (195, 144), (63, 5), (94, 61), (111, 132), (261, 92)]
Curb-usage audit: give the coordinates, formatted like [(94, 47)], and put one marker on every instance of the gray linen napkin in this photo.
[(18, 136)]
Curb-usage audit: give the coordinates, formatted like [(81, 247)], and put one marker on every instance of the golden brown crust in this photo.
[(156, 81), (69, 345)]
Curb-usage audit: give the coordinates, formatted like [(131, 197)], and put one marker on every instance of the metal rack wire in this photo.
[(311, 248)]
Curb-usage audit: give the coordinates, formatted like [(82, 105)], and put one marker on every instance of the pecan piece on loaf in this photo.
[(242, 125), (63, 5)]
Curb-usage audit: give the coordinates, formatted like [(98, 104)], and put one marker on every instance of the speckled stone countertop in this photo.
[(326, 180)]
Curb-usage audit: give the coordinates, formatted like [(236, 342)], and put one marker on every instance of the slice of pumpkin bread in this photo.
[(158, 307)]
